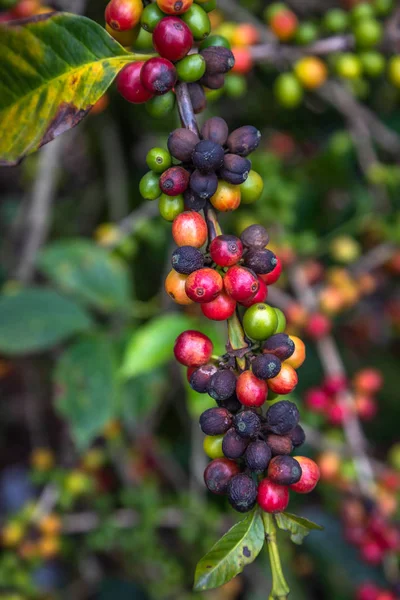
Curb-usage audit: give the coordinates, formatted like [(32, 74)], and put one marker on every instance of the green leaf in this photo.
[(141, 395), (53, 69), (36, 319), (152, 344), (298, 527), (89, 272), (236, 549), (86, 387)]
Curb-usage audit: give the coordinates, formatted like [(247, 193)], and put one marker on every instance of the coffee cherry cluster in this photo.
[(213, 167), (326, 399)]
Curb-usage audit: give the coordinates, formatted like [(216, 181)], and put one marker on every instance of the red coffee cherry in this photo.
[(285, 381), (260, 296), (333, 384), (172, 38), (309, 477), (241, 283), (284, 24), (175, 287), (174, 181), (316, 400), (130, 86), (371, 552), (189, 229), (218, 474), (193, 348), (122, 15), (226, 250), (272, 497), (274, 275), (367, 591), (220, 309), (368, 381), (318, 326), (174, 7), (250, 390), (158, 75), (204, 285)]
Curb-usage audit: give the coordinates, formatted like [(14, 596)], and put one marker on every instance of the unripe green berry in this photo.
[(212, 446), (336, 20), (373, 63), (215, 40), (149, 186), (160, 106), (171, 206), (383, 7), (198, 22), (363, 10), (144, 40), (209, 6), (252, 188), (151, 16), (281, 321), (260, 321), (368, 33), (158, 160), (288, 90), (394, 71), (306, 33), (235, 85), (348, 65), (191, 68)]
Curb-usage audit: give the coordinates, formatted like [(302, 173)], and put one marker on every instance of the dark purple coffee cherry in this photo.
[(233, 446), (200, 377), (255, 236), (197, 97), (208, 156), (279, 444), (218, 59), (284, 470), (279, 344), (192, 201), (219, 473), (213, 82), (298, 436), (260, 261), (187, 259), (242, 492), (235, 169), (257, 456), (244, 140), (232, 404), (204, 185), (215, 421), (216, 130), (222, 385), (282, 417), (247, 424), (181, 144), (266, 366)]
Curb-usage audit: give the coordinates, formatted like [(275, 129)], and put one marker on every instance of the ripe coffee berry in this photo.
[(298, 436), (242, 492), (181, 144), (260, 296), (175, 287), (280, 344), (233, 445), (226, 250), (158, 75), (255, 236), (266, 366), (243, 141), (226, 197), (216, 130), (204, 285), (222, 385), (193, 348), (260, 321), (200, 377), (232, 404), (218, 474), (257, 456), (208, 156), (189, 229), (285, 381), (174, 181), (260, 261), (197, 97), (203, 185), (247, 424), (235, 169), (250, 390), (284, 470), (220, 309), (279, 444), (193, 202), (241, 283), (213, 82), (123, 15), (174, 7), (130, 86), (282, 417), (172, 38), (272, 497), (299, 354), (274, 275), (215, 421), (309, 477), (218, 59), (187, 259)]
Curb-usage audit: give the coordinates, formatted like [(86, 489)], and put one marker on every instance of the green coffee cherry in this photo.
[(212, 446), (361, 11), (170, 206), (215, 40), (383, 7), (368, 33), (214, 95), (252, 188), (273, 9), (209, 6), (235, 85), (281, 321), (394, 71), (144, 40), (191, 68), (288, 90), (306, 33), (151, 16), (158, 160), (260, 321), (373, 63), (336, 20), (348, 66), (149, 186), (198, 22), (160, 106)]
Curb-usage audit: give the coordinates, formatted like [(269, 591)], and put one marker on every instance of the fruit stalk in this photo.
[(280, 588)]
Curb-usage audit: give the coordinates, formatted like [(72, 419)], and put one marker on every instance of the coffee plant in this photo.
[(282, 127)]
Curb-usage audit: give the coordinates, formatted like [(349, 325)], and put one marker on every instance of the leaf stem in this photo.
[(280, 588)]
